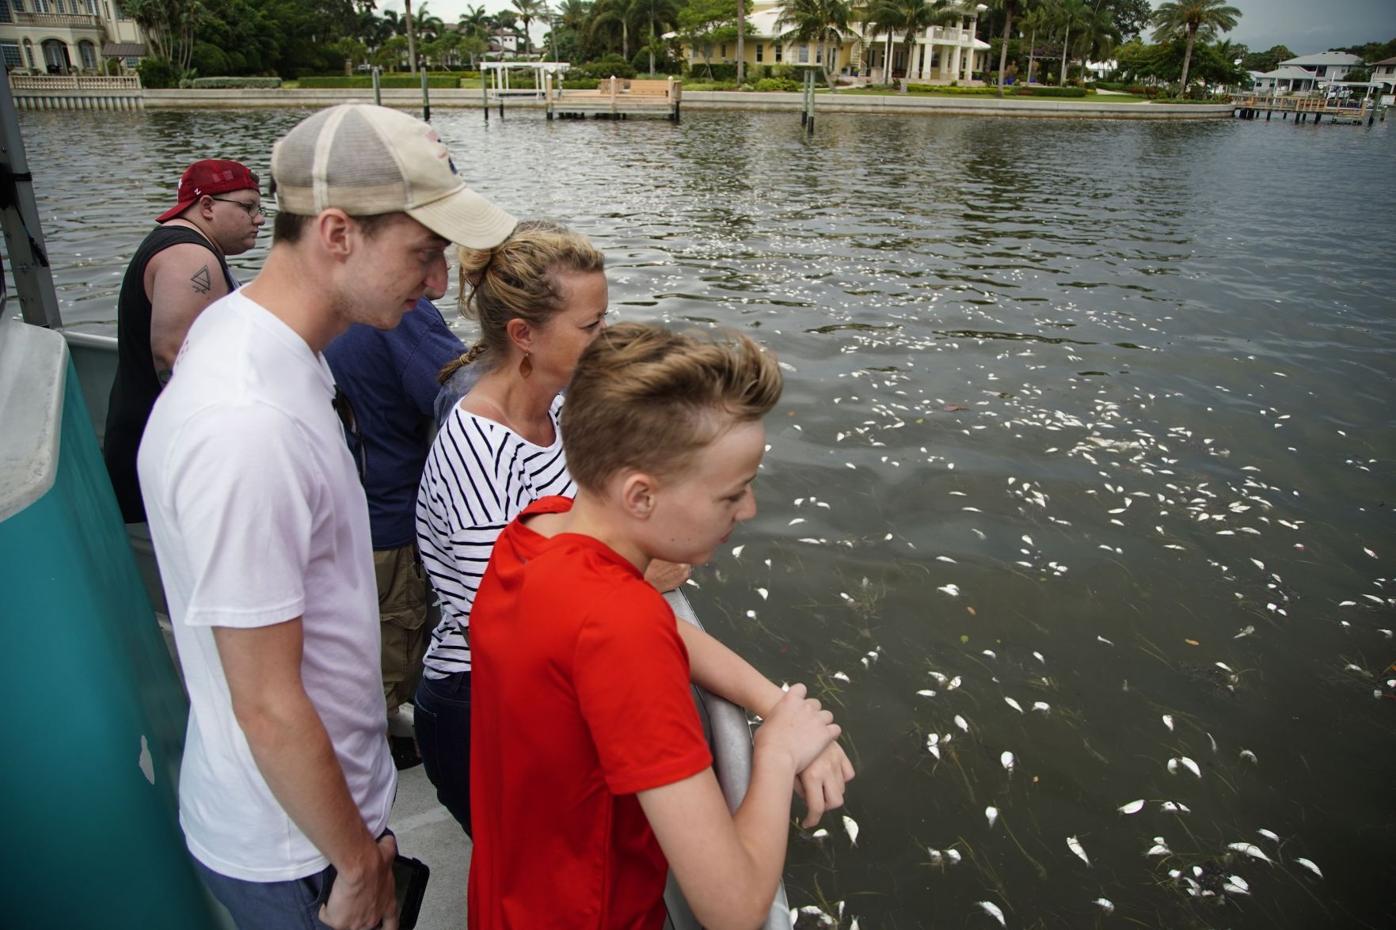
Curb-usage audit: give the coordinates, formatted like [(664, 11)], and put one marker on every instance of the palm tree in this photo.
[(1038, 18), (1009, 7), (666, 13), (1069, 15), (474, 22), (741, 45), (411, 35), (1185, 18), (819, 21), (528, 11), (615, 13), (1097, 36), (911, 17)]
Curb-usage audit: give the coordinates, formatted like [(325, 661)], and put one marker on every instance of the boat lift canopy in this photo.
[(495, 77)]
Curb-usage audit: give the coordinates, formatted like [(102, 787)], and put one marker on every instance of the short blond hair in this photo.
[(648, 398)]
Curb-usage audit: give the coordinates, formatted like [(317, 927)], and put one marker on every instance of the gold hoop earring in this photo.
[(526, 366)]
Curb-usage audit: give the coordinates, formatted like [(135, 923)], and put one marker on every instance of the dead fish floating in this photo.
[(1252, 850), (1073, 844), (1105, 904), (1133, 807), (1309, 864), (991, 814), (993, 910), (1008, 761), (850, 826)]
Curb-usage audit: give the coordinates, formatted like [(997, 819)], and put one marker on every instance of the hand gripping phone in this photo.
[(409, 881)]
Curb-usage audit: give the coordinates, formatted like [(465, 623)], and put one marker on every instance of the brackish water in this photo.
[(1085, 455)]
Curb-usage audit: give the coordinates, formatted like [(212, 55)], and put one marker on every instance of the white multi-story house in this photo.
[(66, 36), (1326, 66), (939, 55), (1384, 73)]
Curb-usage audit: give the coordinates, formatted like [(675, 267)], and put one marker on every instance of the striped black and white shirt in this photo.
[(479, 476)]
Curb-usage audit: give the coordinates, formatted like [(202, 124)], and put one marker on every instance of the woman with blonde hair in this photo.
[(540, 298)]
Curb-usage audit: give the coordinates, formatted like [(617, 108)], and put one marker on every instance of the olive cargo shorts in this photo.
[(402, 611)]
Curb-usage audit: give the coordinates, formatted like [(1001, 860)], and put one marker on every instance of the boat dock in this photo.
[(1306, 109)]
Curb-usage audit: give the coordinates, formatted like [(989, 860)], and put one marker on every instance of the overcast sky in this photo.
[(1302, 25)]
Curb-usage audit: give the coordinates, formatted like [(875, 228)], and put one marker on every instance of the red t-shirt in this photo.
[(580, 698)]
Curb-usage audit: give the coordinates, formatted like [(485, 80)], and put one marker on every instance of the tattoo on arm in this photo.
[(201, 281)]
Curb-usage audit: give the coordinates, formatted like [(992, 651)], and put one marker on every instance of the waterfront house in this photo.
[(939, 55), (1330, 66), (1284, 80), (1384, 73), (67, 36)]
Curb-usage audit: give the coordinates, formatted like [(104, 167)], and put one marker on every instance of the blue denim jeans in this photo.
[(290, 905), (442, 720)]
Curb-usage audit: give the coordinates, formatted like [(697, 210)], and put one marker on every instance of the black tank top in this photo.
[(136, 386)]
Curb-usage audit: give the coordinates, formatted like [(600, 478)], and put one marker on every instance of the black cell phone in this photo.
[(409, 881)]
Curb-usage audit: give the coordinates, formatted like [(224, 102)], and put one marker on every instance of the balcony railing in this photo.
[(73, 82), (60, 20)]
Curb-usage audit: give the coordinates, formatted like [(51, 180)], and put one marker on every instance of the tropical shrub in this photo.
[(721, 71), (157, 72), (440, 80), (1037, 90), (223, 83), (771, 84)]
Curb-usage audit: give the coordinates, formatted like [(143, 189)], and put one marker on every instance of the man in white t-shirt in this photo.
[(261, 527)]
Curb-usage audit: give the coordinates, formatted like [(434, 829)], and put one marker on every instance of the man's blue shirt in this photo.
[(390, 380)]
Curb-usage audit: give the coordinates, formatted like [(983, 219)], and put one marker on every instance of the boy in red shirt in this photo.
[(590, 776)]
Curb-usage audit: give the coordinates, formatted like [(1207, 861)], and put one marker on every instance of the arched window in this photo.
[(87, 54), (56, 59)]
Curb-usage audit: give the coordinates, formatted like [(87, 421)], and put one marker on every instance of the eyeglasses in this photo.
[(352, 437), (253, 210)]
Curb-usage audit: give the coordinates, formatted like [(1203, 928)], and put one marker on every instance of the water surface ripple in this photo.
[(1085, 455)]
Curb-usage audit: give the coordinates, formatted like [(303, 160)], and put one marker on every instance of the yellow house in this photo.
[(66, 36), (939, 55)]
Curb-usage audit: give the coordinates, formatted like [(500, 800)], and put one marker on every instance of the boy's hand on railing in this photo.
[(821, 783), (798, 728)]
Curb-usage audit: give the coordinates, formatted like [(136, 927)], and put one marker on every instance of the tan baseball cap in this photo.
[(366, 160)]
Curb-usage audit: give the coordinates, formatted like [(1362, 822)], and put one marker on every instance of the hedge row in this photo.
[(226, 83), (364, 81), (1017, 90)]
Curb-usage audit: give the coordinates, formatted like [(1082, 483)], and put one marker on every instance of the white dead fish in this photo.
[(990, 653), (1168, 722), (764, 593), (841, 676), (1073, 844), (926, 692), (737, 551), (1308, 864), (1270, 835), (1013, 704), (1038, 657), (1102, 639), (940, 679), (993, 911), (1173, 766), (952, 856), (1252, 850), (1160, 848), (1249, 757), (1133, 807), (962, 723), (1041, 707), (933, 745), (1249, 629), (950, 589), (1008, 761), (991, 814), (1191, 766), (850, 826), (953, 683), (819, 835), (1105, 904), (936, 857), (1236, 885), (1175, 807)]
